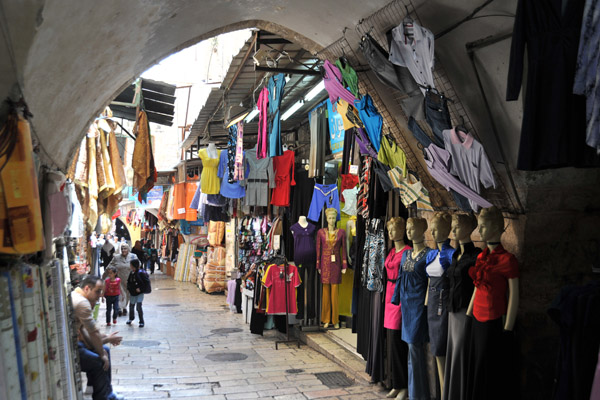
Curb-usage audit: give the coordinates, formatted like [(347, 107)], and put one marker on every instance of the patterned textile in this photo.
[(231, 148), (238, 173), (374, 257), (363, 192)]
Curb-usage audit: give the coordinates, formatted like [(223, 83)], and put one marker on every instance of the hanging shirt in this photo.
[(414, 53), (392, 155), (371, 119), (209, 181), (490, 275), (438, 164), (276, 87), (469, 161), (350, 203), (229, 190), (333, 84), (262, 140), (284, 178), (275, 280), (349, 77), (305, 251)]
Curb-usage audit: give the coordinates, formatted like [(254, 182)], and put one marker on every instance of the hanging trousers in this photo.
[(330, 310)]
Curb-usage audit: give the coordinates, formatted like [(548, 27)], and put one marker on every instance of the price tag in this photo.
[(181, 210), (333, 258), (354, 169), (276, 242)]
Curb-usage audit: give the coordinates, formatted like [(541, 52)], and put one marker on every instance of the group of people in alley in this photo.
[(122, 285)]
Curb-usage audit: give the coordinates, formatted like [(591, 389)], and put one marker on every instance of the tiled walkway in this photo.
[(186, 357)]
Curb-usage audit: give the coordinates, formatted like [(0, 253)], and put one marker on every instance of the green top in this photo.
[(392, 155), (349, 77)]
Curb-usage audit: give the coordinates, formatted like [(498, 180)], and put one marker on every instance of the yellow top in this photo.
[(209, 181), (392, 155), (342, 109)]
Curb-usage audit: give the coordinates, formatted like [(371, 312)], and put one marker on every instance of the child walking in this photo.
[(112, 291), (135, 286)]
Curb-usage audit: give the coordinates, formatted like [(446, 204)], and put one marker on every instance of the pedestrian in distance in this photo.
[(112, 291), (122, 263), (138, 284)]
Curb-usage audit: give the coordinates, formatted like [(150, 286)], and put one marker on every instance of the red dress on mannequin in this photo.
[(283, 166)]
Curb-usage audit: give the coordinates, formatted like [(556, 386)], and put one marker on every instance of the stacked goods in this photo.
[(214, 270)]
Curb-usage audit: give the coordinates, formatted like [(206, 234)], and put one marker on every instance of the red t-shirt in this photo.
[(490, 275), (274, 280), (112, 288)]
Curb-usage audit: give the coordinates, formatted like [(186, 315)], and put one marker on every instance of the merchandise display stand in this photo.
[(287, 311)]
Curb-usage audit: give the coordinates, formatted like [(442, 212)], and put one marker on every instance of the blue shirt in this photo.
[(276, 87), (410, 291), (371, 119), (230, 190)]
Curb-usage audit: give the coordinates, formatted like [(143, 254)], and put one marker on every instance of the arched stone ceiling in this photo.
[(74, 56)]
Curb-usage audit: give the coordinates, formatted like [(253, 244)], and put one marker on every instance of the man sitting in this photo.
[(93, 355)]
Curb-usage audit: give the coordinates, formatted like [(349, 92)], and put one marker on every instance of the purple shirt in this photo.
[(438, 164), (305, 251), (333, 84)]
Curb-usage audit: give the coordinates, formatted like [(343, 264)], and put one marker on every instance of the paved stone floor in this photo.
[(187, 356)]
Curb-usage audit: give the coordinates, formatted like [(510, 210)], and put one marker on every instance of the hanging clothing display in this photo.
[(413, 48), (230, 152), (319, 132), (587, 79), (303, 192), (371, 119), (553, 131), (260, 179), (276, 87), (394, 76), (362, 207), (392, 155), (459, 323), (209, 179), (350, 203), (438, 164), (275, 280), (284, 178), (438, 262), (144, 170), (263, 132), (332, 78), (349, 181), (374, 256), (437, 114), (349, 77), (239, 172), (234, 189), (324, 196), (469, 161)]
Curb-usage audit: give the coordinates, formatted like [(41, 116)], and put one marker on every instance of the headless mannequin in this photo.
[(331, 230), (396, 234), (302, 221), (211, 150), (491, 232), (440, 230)]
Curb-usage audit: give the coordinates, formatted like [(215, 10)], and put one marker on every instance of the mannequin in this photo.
[(211, 150), (302, 221), (331, 263), (393, 314), (459, 296), (495, 276), (305, 255), (438, 262), (411, 290)]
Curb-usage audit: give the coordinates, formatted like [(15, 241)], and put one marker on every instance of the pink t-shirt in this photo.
[(393, 314), (276, 283)]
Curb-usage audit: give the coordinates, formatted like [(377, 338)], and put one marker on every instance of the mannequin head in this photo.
[(415, 229), (462, 227), (331, 216), (440, 226), (491, 224), (396, 227)]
